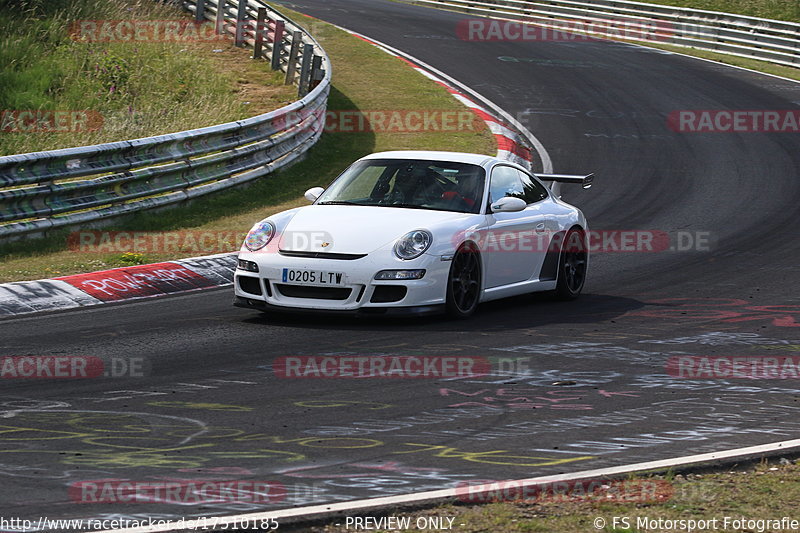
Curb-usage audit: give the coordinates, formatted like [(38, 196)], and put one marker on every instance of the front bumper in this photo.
[(359, 293), (261, 305)]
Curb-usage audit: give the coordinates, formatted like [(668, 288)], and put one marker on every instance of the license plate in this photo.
[(320, 278)]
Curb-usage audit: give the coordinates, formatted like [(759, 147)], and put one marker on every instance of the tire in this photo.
[(464, 282), (572, 265)]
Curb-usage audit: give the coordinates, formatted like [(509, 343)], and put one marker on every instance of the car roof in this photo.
[(455, 157)]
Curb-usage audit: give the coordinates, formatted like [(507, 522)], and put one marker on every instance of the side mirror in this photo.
[(508, 204), (313, 193)]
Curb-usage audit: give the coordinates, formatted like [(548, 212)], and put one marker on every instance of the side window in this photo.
[(505, 182), (533, 190)]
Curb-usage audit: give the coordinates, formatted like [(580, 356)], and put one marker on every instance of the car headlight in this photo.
[(413, 244), (259, 236)]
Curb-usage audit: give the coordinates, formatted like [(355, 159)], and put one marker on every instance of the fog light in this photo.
[(249, 266), (400, 274)]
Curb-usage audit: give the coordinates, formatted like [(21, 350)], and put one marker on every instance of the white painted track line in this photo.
[(316, 512)]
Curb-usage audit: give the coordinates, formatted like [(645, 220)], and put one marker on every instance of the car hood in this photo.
[(358, 229)]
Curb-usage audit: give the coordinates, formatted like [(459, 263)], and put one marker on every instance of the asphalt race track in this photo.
[(574, 386)]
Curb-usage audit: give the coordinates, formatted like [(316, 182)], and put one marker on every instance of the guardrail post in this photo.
[(261, 29), (222, 5), (117, 201), (305, 70), (277, 44), (294, 51), (241, 16), (316, 72), (199, 11)]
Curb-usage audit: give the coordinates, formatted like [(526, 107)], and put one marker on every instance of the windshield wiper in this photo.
[(338, 202), (411, 206)]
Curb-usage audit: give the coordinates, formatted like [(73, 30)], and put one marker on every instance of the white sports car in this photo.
[(416, 232)]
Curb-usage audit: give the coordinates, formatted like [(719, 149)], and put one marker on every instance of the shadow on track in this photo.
[(508, 314)]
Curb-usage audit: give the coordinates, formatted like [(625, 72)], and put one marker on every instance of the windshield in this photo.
[(410, 183)]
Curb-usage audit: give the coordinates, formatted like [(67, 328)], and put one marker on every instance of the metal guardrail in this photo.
[(42, 191), (750, 37)]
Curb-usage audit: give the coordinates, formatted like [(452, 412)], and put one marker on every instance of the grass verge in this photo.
[(763, 492), (152, 83), (364, 78), (769, 9), (752, 64)]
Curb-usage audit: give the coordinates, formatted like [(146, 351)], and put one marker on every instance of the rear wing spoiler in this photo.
[(583, 181), (558, 179)]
